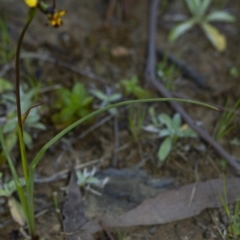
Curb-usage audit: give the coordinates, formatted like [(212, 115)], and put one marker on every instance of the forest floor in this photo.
[(85, 50)]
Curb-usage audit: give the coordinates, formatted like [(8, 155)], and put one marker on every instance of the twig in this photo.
[(152, 80), (110, 236)]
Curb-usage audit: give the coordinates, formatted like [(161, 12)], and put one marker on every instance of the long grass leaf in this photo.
[(69, 128)]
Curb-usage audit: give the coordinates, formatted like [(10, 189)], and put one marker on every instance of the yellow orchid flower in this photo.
[(31, 3), (55, 18)]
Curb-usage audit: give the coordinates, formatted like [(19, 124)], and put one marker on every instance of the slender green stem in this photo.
[(18, 184), (24, 201), (69, 128), (31, 15), (23, 153)]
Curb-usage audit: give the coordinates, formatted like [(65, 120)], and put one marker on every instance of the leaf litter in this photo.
[(173, 205)]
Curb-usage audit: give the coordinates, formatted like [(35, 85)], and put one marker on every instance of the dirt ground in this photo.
[(83, 51)]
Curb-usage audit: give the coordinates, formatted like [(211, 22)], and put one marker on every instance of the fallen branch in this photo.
[(154, 82)]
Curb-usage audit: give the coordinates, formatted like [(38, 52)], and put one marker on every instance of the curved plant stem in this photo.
[(30, 221), (31, 15)]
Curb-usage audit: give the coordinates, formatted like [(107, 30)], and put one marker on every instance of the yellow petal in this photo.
[(61, 13), (31, 3)]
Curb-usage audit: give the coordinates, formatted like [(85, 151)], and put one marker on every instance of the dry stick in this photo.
[(106, 230), (153, 81), (116, 142)]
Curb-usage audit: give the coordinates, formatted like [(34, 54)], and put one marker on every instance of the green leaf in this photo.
[(64, 97), (27, 139), (32, 118), (79, 90), (165, 149), (92, 180), (10, 125), (42, 151), (193, 6), (39, 126), (203, 7), (176, 121), (113, 111), (75, 101), (11, 140), (130, 84), (186, 131), (99, 94), (180, 29), (3, 193), (165, 119), (17, 212), (141, 93), (5, 85), (83, 112), (66, 114), (114, 97), (220, 16), (216, 38), (163, 133), (87, 101)]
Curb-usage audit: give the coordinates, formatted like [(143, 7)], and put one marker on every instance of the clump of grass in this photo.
[(226, 122), (135, 121), (233, 217)]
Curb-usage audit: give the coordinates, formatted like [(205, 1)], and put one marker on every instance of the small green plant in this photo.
[(7, 188), (226, 123), (167, 74), (170, 130), (106, 99), (135, 121), (86, 180), (233, 217), (6, 49), (72, 104), (86, 177), (121, 236), (32, 121), (131, 87), (234, 72), (198, 9)]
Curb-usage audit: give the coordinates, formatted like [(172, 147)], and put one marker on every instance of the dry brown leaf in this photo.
[(120, 52), (173, 205), (16, 210)]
